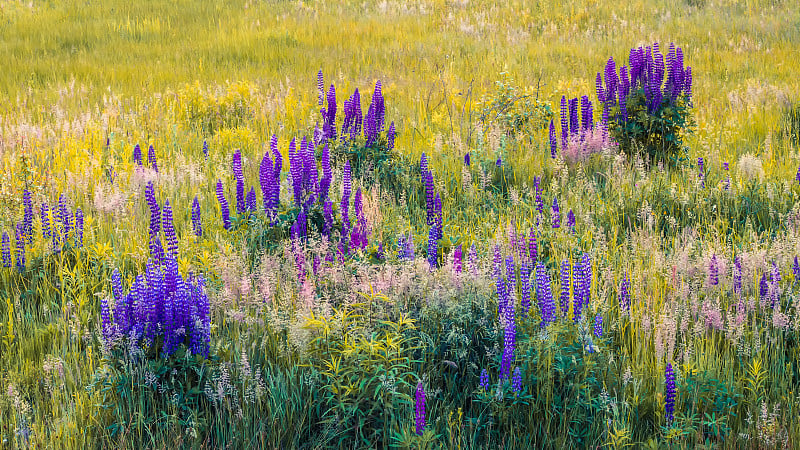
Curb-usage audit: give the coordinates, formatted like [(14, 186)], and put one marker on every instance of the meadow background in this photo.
[(305, 352)]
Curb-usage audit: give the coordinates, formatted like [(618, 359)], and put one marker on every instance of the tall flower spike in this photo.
[(713, 271), (20, 237), (598, 326), (137, 155), (205, 148), (266, 179), (6, 250), (320, 87), (457, 259), (252, 203), (516, 381), (78, 228), (45, 217), (484, 381), (27, 218), (169, 230), (556, 214), (151, 158), (419, 409), (553, 141), (669, 393), (564, 298), (223, 203), (155, 210), (197, 224)]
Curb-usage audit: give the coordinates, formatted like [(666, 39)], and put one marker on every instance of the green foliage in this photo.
[(516, 112), (658, 134)]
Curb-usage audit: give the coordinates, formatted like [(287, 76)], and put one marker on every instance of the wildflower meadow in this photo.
[(400, 224)]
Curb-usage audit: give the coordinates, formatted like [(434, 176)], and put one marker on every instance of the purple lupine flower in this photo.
[(169, 230), (197, 224), (797, 177), (155, 210), (499, 162), (345, 203), (574, 124), (484, 383), (516, 381), (410, 246), (796, 269), (391, 134), (20, 237), (737, 274), (457, 259), (564, 122), (553, 141), (598, 82), (669, 393), (509, 341), (223, 204), (564, 298), (466, 159), (320, 87), (727, 184), (329, 124), (533, 248), (6, 250), (252, 203), (544, 295), (78, 228), (556, 214), (511, 272), (266, 178), (45, 216), (107, 325), (419, 409), (571, 220), (137, 155), (713, 271), (525, 297), (472, 259), (598, 326), (238, 176), (433, 247), (205, 148), (27, 218), (624, 293), (701, 172), (502, 295), (497, 263), (327, 174), (296, 172), (586, 281), (587, 119), (763, 288), (151, 158), (116, 286), (577, 291)]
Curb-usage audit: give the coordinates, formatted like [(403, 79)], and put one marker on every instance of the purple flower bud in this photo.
[(553, 143), (544, 295), (155, 210), (27, 218), (390, 136), (457, 259), (564, 122), (205, 148), (320, 87), (624, 293), (713, 271)]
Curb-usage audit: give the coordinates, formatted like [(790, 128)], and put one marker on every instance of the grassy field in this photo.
[(447, 279)]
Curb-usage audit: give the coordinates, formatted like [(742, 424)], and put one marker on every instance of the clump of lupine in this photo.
[(161, 311), (647, 102)]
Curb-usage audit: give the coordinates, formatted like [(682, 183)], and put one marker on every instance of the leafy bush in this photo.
[(517, 113)]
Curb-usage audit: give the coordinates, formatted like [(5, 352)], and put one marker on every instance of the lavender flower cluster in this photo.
[(645, 74), (160, 308)]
